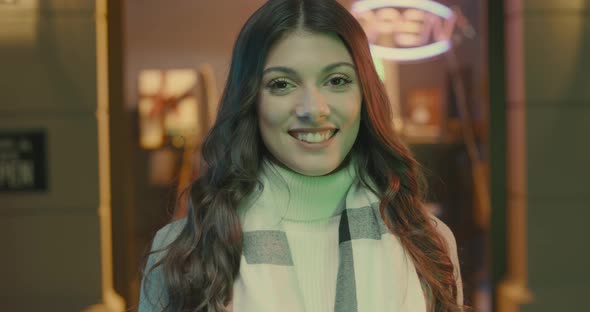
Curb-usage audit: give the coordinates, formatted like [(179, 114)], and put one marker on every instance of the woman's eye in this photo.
[(339, 81), (278, 85)]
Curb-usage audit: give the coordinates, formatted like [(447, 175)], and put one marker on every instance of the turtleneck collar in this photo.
[(307, 198)]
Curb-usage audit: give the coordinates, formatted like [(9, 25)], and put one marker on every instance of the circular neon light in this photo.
[(425, 5), (407, 54), (410, 54)]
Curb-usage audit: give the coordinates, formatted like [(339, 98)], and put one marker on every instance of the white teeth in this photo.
[(315, 137)]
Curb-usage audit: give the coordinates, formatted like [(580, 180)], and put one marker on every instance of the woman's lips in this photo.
[(315, 146), (294, 132)]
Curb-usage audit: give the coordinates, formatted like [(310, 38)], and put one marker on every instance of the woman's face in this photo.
[(309, 90)]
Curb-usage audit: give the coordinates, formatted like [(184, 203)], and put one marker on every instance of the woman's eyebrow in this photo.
[(290, 71), (281, 69), (335, 65)]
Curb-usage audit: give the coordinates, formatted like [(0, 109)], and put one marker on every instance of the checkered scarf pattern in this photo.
[(374, 271)]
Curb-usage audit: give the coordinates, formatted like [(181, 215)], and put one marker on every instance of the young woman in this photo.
[(308, 201)]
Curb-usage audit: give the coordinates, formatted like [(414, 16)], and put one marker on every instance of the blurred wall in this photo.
[(554, 100), (184, 34), (50, 240)]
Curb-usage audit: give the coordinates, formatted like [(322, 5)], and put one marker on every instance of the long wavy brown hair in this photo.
[(200, 266)]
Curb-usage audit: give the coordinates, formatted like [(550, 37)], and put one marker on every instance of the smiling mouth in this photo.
[(314, 138)]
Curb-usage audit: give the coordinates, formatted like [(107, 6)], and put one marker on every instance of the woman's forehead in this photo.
[(305, 49)]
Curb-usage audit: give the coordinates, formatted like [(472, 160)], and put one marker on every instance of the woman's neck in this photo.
[(308, 198)]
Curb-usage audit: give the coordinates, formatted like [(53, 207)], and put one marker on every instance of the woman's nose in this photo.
[(313, 105)]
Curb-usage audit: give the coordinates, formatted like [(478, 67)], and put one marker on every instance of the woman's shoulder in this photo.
[(444, 231), (449, 238), (168, 233), (153, 293)]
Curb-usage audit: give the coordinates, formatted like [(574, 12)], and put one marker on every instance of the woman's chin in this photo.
[(315, 170)]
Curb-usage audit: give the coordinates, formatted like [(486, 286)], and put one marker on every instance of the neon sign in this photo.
[(406, 30)]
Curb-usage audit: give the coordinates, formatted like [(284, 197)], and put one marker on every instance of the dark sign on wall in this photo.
[(23, 161)]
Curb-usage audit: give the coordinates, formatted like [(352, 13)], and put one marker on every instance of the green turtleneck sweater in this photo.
[(309, 210)]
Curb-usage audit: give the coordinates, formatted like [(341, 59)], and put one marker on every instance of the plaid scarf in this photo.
[(374, 271)]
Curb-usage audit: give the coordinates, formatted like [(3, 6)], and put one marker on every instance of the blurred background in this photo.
[(104, 105)]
